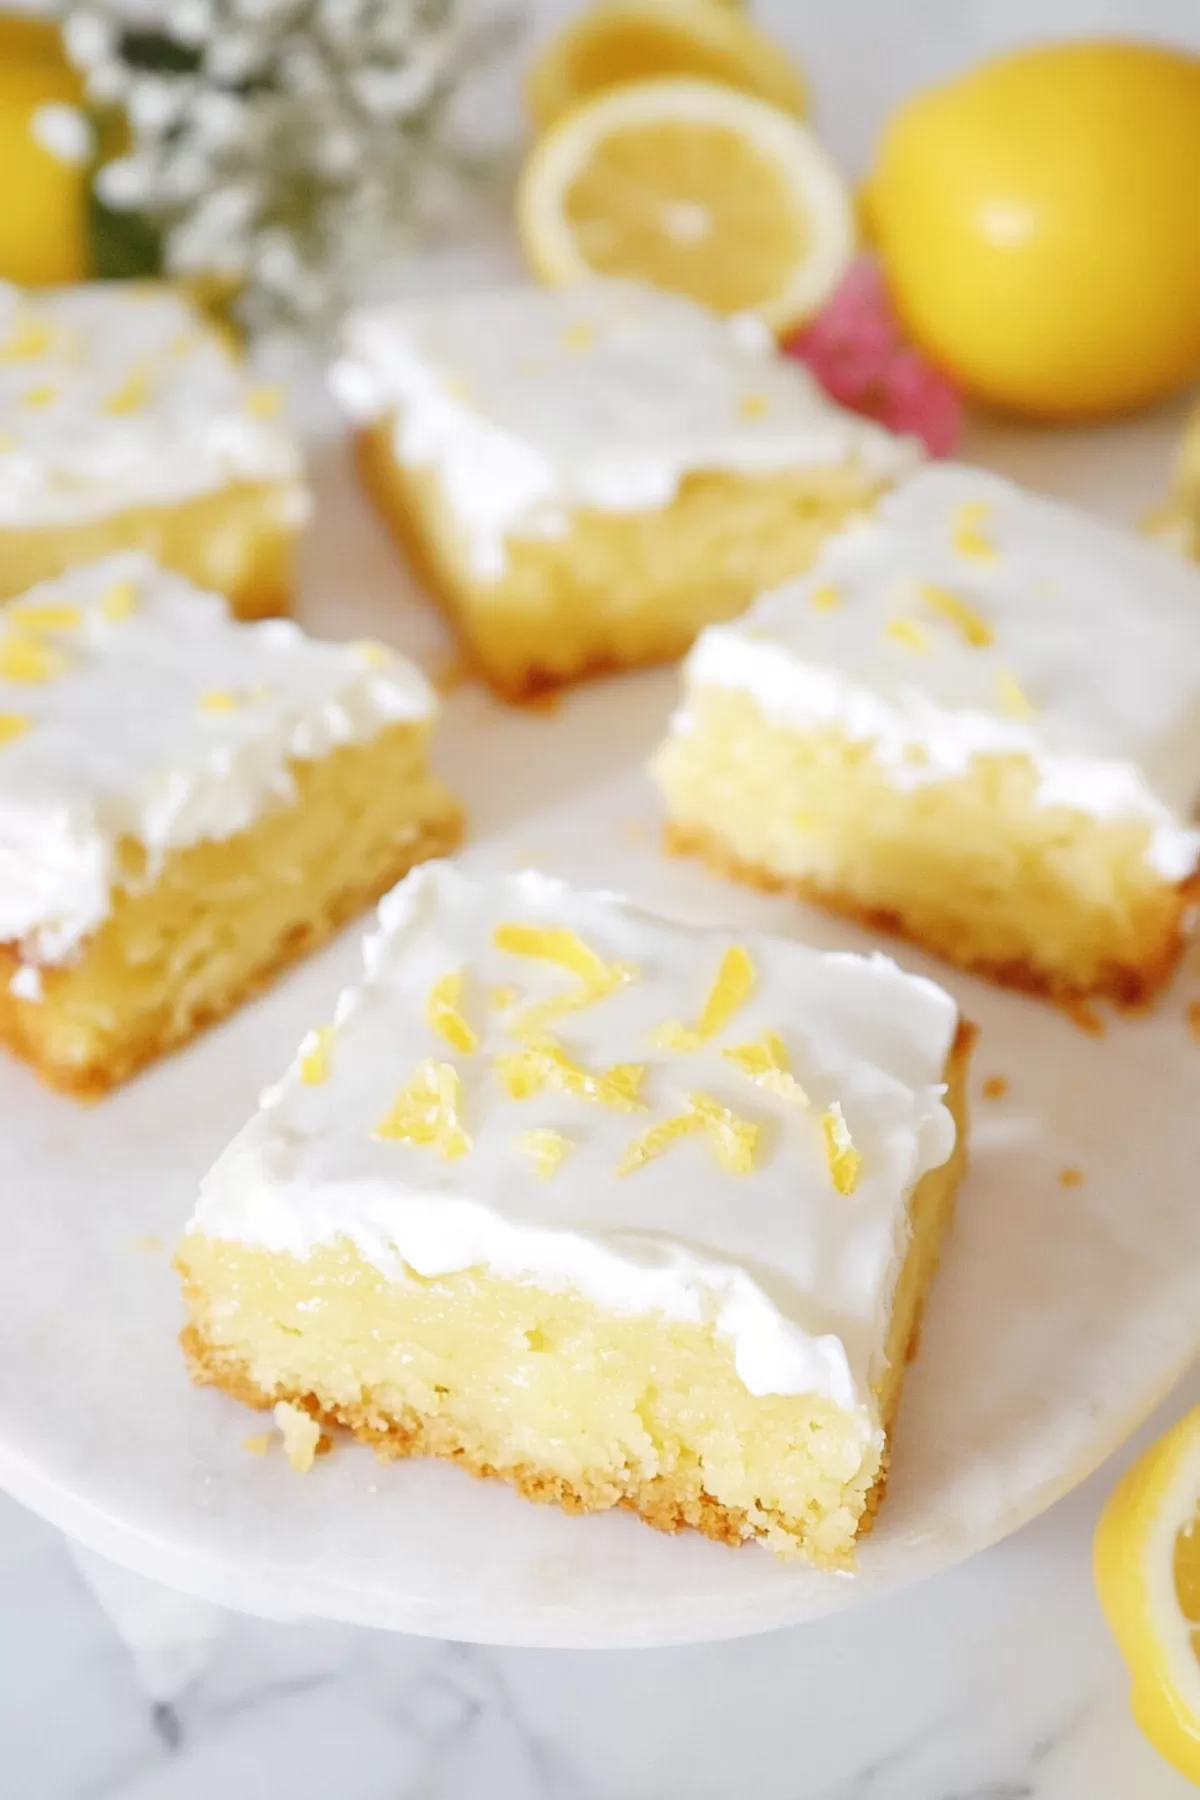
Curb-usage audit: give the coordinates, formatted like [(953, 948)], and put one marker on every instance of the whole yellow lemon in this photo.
[(42, 213), (1039, 224)]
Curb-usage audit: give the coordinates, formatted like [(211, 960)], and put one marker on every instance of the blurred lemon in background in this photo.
[(639, 40), (693, 187), (1148, 1577), (1040, 230), (43, 155)]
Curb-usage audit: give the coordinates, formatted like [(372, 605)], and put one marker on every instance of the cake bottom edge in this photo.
[(1131, 986), (671, 1503)]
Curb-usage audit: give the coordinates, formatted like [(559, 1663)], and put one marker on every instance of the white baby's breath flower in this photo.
[(63, 131), (288, 144)]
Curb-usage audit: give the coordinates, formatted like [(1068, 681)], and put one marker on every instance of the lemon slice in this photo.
[(640, 40), (693, 187), (1148, 1578)]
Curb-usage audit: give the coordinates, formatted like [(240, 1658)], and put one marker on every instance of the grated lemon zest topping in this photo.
[(732, 987), (580, 336), (40, 397), (314, 1056), (264, 401), (1013, 698), (767, 1065), (46, 618), (31, 337), (908, 634), (427, 1112), (28, 659), (12, 726), (218, 700), (501, 998), (120, 601), (975, 630), (566, 948), (546, 1064), (825, 597), (733, 1140), (968, 532), (754, 406), (844, 1160), (546, 1150), (132, 395), (443, 1016)]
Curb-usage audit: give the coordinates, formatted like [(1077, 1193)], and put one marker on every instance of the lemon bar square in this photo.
[(128, 422), (187, 803), (584, 478), (975, 721), (620, 1211)]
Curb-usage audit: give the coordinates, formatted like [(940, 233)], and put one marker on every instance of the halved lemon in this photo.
[(641, 40), (1148, 1577), (693, 187)]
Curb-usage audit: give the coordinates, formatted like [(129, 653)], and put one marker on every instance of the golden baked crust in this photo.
[(1130, 986)]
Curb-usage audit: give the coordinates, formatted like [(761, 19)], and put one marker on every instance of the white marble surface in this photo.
[(996, 1681)]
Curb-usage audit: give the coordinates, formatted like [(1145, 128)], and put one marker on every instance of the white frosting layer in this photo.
[(1098, 630), (164, 720), (533, 402), (114, 396), (797, 1275)]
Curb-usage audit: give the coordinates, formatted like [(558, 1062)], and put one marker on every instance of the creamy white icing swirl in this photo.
[(797, 1275), (531, 403)]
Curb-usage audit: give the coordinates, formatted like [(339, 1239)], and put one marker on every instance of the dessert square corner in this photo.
[(620, 1211), (584, 479), (128, 421), (975, 721), (187, 804)]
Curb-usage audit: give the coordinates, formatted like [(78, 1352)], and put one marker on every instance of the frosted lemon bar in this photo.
[(186, 805), (975, 721), (620, 1211), (127, 422), (587, 477)]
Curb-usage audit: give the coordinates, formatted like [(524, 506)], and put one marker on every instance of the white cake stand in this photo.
[(1062, 1314)]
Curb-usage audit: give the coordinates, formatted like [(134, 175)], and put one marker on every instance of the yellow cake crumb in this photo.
[(264, 401), (30, 339), (502, 997), (300, 1433), (753, 406), (37, 399), (1070, 1177), (133, 394), (1193, 1019), (995, 1087), (260, 1443), (844, 1160)]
